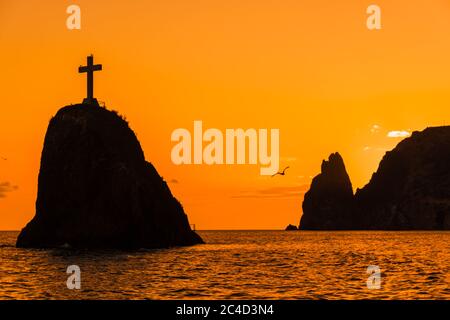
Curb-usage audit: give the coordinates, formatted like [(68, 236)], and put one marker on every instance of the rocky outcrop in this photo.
[(409, 191), (95, 188), (411, 188), (290, 227), (328, 203)]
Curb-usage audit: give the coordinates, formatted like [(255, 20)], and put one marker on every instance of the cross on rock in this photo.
[(90, 68)]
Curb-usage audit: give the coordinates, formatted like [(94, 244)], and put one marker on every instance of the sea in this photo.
[(239, 265)]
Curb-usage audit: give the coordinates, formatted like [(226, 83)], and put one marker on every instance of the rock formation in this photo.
[(409, 191), (95, 189), (291, 227), (328, 203)]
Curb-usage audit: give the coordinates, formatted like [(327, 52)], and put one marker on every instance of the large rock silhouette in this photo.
[(409, 191), (95, 189), (328, 203)]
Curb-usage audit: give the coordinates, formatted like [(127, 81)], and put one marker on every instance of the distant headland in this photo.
[(409, 191)]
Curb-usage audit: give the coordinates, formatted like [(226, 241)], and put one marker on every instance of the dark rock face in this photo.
[(411, 188), (328, 203), (95, 188), (291, 227), (409, 191)]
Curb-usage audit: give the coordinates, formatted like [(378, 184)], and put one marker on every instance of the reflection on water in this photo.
[(240, 265)]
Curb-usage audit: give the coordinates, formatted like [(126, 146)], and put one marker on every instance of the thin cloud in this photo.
[(398, 134), (173, 181), (274, 192), (378, 149), (375, 128), (6, 187)]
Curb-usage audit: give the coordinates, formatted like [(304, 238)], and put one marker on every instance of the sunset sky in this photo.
[(310, 68)]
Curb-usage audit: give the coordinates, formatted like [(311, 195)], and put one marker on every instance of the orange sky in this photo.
[(310, 68)]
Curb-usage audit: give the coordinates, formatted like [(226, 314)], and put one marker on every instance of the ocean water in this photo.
[(240, 265)]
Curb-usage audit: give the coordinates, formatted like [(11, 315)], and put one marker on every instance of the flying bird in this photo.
[(282, 173), (3, 158)]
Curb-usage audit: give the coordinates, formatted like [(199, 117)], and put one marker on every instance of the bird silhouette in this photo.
[(281, 173), (3, 158)]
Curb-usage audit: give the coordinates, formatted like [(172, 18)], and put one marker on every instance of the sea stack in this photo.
[(409, 191), (329, 202), (291, 227), (95, 189)]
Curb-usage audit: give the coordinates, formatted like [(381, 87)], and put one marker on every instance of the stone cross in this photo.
[(90, 68)]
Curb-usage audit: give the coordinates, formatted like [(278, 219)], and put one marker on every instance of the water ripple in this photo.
[(239, 265)]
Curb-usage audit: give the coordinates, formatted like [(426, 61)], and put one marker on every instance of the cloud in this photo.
[(398, 134), (274, 192), (378, 149), (375, 128), (6, 187), (173, 181)]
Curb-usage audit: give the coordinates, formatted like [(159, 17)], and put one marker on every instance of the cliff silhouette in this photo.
[(409, 191), (95, 189), (330, 197)]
